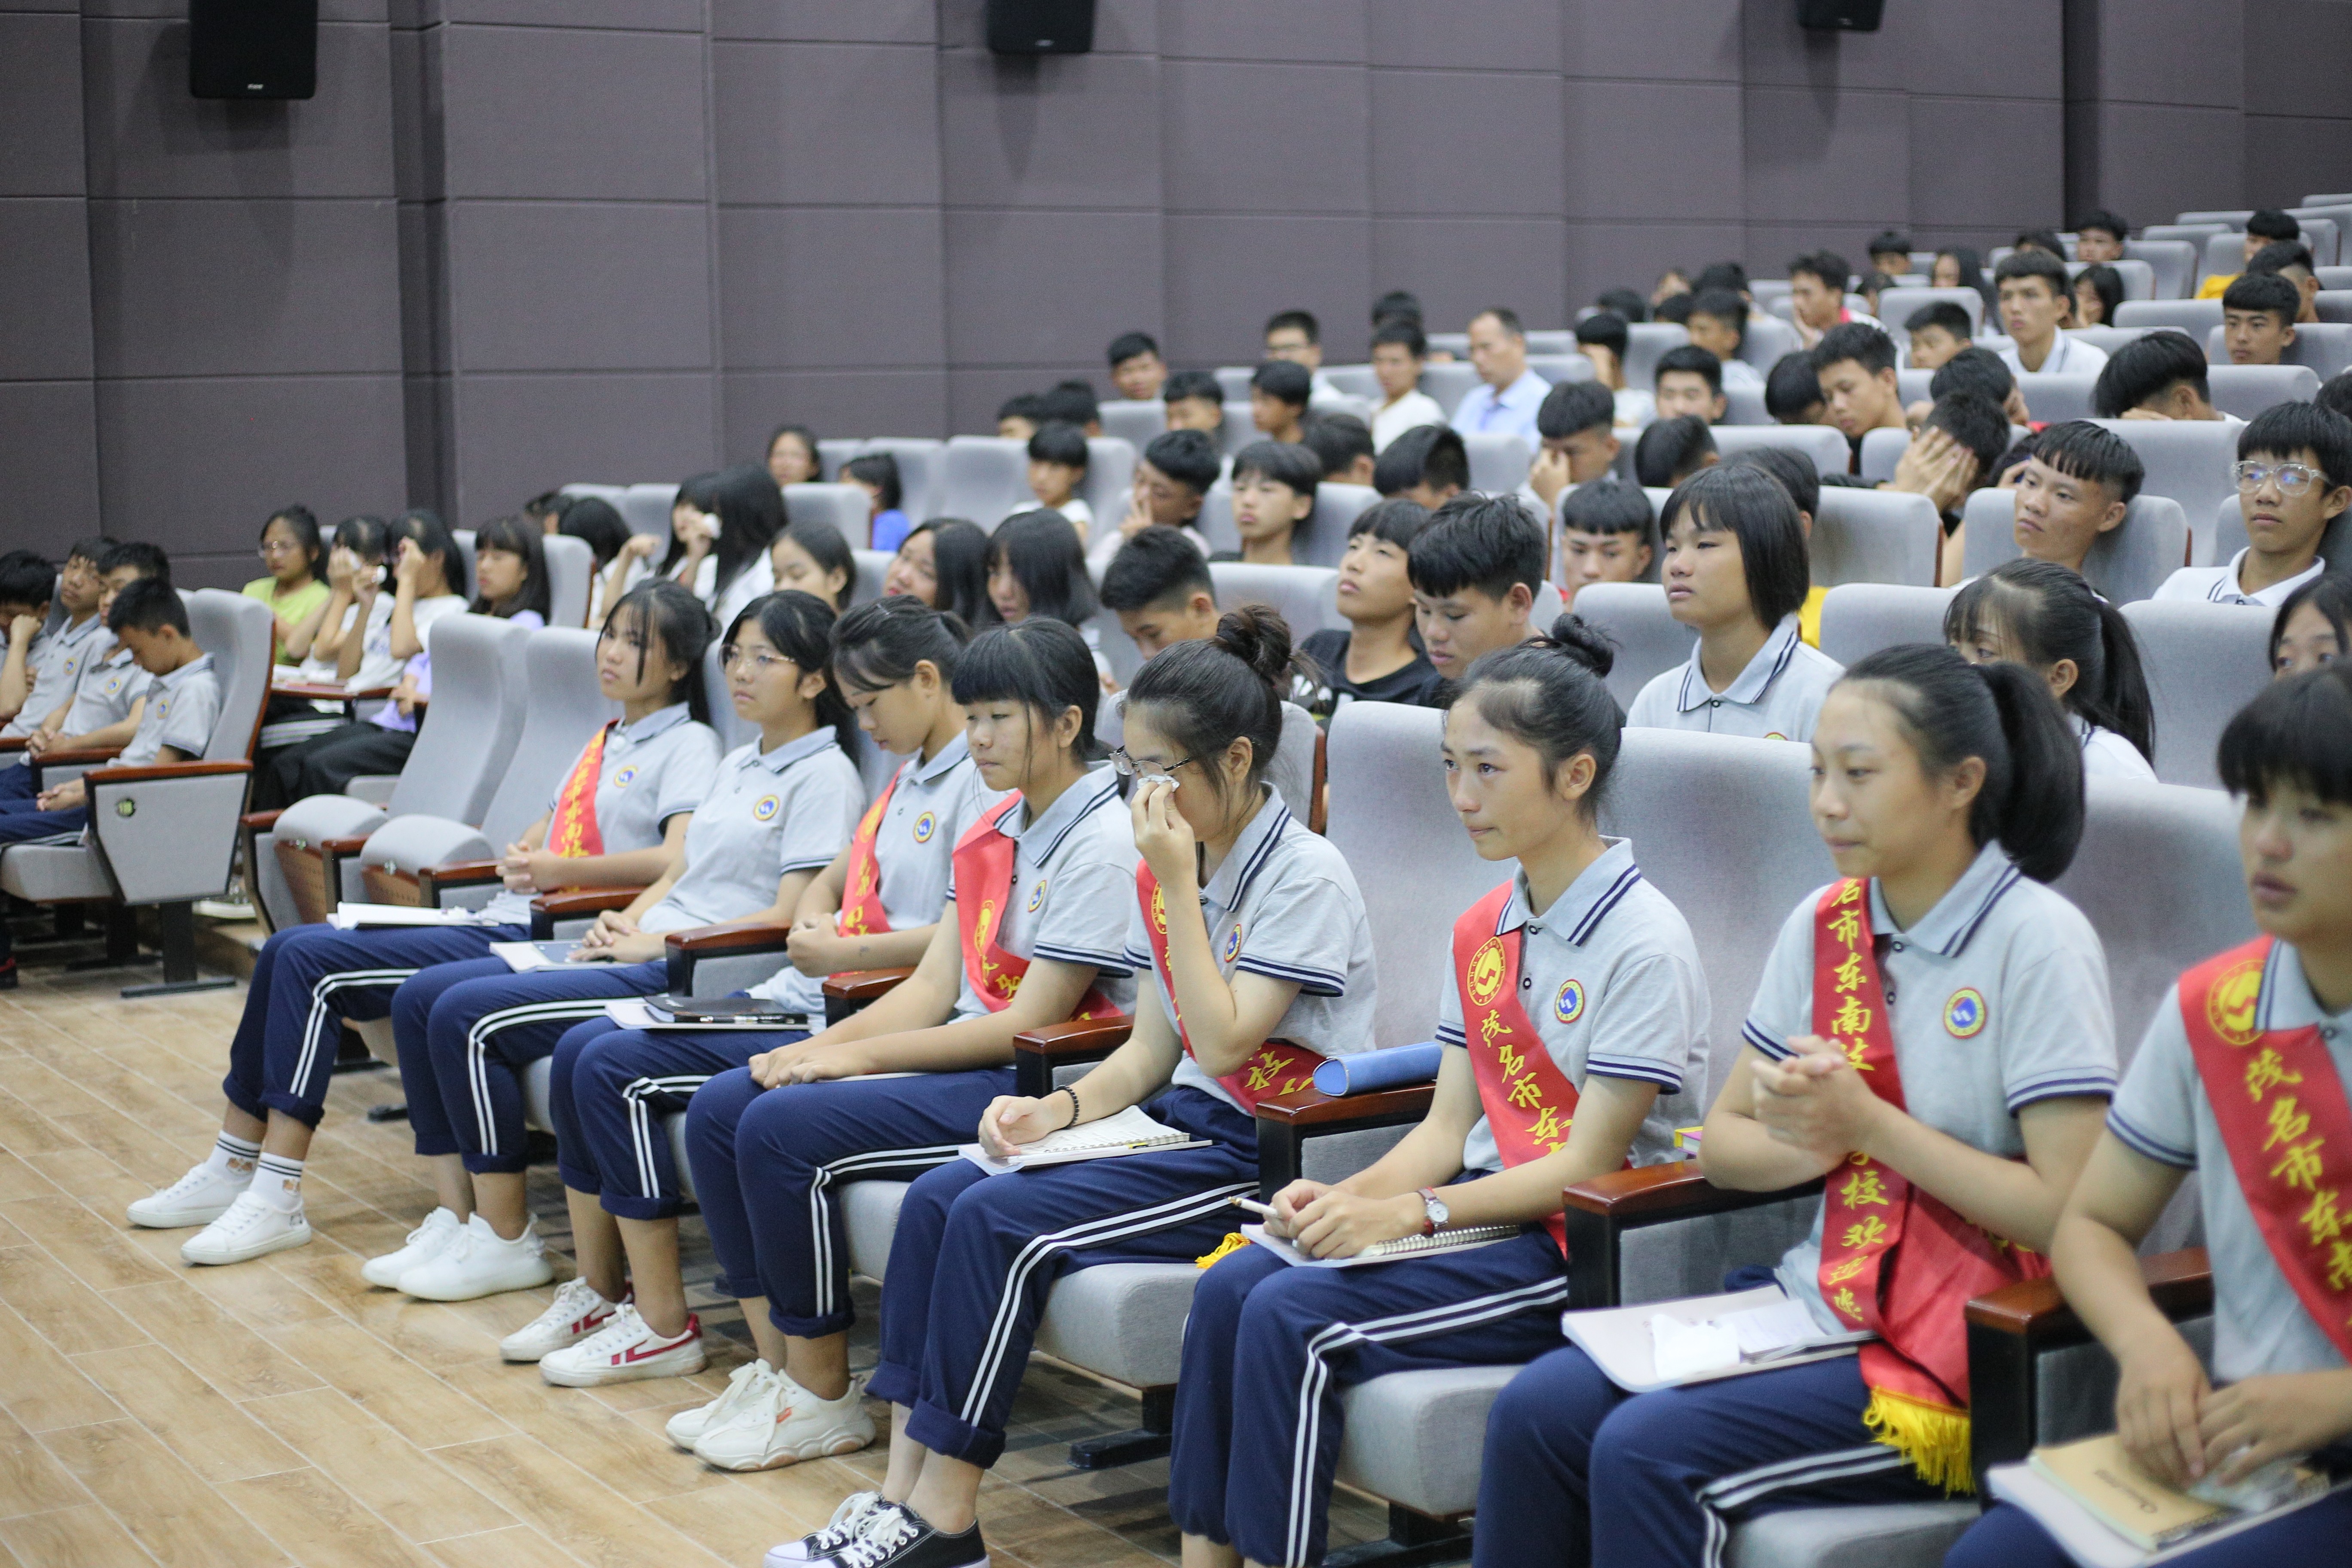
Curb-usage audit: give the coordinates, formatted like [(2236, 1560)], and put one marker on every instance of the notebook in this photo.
[(637, 1013), (1132, 1131), (1665, 1344), (2091, 1538), (355, 917), (674, 1008), (525, 956), (1463, 1240)]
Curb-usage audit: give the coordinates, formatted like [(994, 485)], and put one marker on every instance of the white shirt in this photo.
[(1484, 411), (1635, 407), (1412, 411), (2106, 754), (378, 663), (1776, 698), (757, 578), (1073, 885), (2069, 355), (1739, 372), (1077, 512), (2220, 584)]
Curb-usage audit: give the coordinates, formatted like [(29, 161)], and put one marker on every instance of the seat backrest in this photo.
[(2324, 346), (1360, 407), (873, 565), (1447, 384), (2195, 234), (1911, 386), (469, 735), (1644, 342), (570, 574), (987, 480), (1110, 478), (921, 463), (2204, 662), (1824, 444), (1720, 825), (1388, 807), (2332, 304), (1649, 641), (645, 508), (2332, 278), (1557, 340), (2323, 229), (1498, 462), (832, 453), (1238, 430), (2230, 535), (1233, 380), (1303, 595), (1454, 343), (2245, 390), (1556, 368), (565, 708), (1895, 305), (2193, 461), (464, 540), (846, 506), (242, 636), (2224, 254), (1860, 618), (733, 728), (611, 495), (2194, 317), (1356, 380), (1874, 536), (2139, 277), (1133, 422), (2173, 263), (1881, 451), (1324, 539), (2129, 561), (2226, 217), (1766, 339), (2054, 399), (1742, 405), (2107, 340)]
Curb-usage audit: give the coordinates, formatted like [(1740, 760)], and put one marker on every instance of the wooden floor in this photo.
[(284, 1411)]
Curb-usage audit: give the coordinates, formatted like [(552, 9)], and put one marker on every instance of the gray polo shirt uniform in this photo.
[(56, 661), (1282, 904), (182, 708), (768, 815), (1776, 697), (657, 768), (1073, 886), (2260, 1324), (1999, 997), (1609, 978), (110, 683), (935, 804)]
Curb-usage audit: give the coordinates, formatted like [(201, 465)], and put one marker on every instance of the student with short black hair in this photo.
[(1018, 417), (1608, 534), (1602, 338), (1718, 323), (2035, 293), (1982, 372), (1672, 451), (1579, 1062), (1933, 1031), (1975, 425), (2040, 614), (1400, 349), (1057, 466), (1792, 393), (109, 694), (1675, 308), (1295, 336), (2336, 393), (1072, 401), (1396, 305), (2250, 1042), (2266, 228), (1427, 465), (1673, 282), (1379, 658), (1509, 393), (2078, 484), (1136, 368), (2295, 478), (2098, 292), (1193, 401), (2258, 316), (1279, 392), (1160, 588), (2044, 240), (1855, 365), (792, 456), (1275, 485), (1173, 479), (1689, 380), (2157, 375), (1736, 574), (2099, 236), (1626, 304), (1803, 482), (1728, 275), (1890, 252), (1817, 296), (1937, 330), (2313, 628), (2290, 259), (1475, 570), (1575, 427), (42, 666), (943, 563), (1344, 443)]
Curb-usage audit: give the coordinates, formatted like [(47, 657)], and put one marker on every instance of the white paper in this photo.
[(1131, 1131), (1463, 1240), (631, 1013), (1680, 1350), (1621, 1342), (355, 917)]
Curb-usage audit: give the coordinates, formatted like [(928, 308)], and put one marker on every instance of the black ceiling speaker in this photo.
[(253, 49), (1040, 26), (1840, 16)]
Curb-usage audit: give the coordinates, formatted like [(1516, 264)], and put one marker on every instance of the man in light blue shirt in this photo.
[(1505, 401)]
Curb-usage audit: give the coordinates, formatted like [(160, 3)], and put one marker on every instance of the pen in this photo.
[(1259, 1209)]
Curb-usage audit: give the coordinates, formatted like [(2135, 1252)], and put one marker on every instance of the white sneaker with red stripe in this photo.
[(577, 1312), (624, 1351)]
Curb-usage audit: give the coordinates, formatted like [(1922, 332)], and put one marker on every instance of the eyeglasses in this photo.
[(270, 547), (2294, 478), (762, 662), (1127, 767)]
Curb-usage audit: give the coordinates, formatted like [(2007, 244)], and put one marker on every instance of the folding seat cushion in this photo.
[(2054, 399), (1303, 594), (2193, 462), (1874, 536), (1895, 306), (987, 479), (1649, 641), (2172, 264), (847, 507), (1823, 443), (2129, 561), (2204, 662), (1134, 423), (2245, 390), (1860, 618), (2195, 316), (1498, 462)]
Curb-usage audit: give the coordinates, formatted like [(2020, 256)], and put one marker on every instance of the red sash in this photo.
[(2280, 1104), (1277, 1066), (1895, 1259), (983, 883), (861, 895), (571, 830), (1528, 1101)]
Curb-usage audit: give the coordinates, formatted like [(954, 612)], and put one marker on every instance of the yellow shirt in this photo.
[(2215, 287), (292, 609), (1809, 617)]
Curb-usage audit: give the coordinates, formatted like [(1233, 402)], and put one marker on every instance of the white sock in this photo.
[(279, 1180), (231, 1156)]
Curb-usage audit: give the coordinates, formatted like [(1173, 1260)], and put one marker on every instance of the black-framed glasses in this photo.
[(2294, 478), (1127, 767)]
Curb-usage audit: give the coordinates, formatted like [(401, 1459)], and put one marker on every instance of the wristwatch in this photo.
[(1434, 1212)]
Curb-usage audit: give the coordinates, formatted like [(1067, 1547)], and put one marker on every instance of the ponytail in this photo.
[(1547, 694), (2041, 613), (879, 643), (1949, 710), (1204, 694)]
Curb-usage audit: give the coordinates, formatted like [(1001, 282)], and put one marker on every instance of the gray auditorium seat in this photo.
[(1743, 406), (1823, 443), (1238, 430), (1135, 423), (2245, 390), (1301, 594), (2054, 399), (1881, 451), (2230, 535), (2129, 561), (2332, 304), (1895, 305), (832, 453), (1911, 386), (571, 575), (1356, 380), (873, 565), (1233, 380), (1110, 479), (2204, 662), (1558, 367), (1498, 462), (1766, 342), (923, 461), (2195, 316), (1648, 640), (2224, 254), (2107, 339), (1448, 383), (1324, 537), (2327, 248), (2172, 263), (1859, 618), (1874, 536), (987, 479), (2192, 461), (2334, 277), (2324, 346), (1644, 341), (846, 506)]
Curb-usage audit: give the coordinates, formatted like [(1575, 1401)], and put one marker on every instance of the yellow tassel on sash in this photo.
[(1233, 1242), (1932, 1438)]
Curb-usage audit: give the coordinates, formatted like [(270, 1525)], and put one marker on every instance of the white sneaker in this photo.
[(252, 1227), (200, 1197), (687, 1427), (848, 1523), (785, 1424), (577, 1312), (425, 1243), (479, 1262), (624, 1351)]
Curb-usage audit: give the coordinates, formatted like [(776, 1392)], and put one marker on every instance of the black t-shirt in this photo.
[(1417, 684)]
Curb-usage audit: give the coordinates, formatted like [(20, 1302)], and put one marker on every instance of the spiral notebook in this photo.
[(1132, 1131), (1461, 1241)]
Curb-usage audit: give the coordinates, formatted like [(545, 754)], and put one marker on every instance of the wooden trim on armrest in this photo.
[(151, 772), (2181, 1283), (12, 743), (259, 821), (1285, 1122), (853, 989), (322, 691), (734, 939), (76, 757), (344, 847), (461, 873), (572, 903), (1037, 1052), (1600, 1212)]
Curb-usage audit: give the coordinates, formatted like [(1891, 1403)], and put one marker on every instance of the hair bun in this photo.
[(1259, 637), (1582, 641)]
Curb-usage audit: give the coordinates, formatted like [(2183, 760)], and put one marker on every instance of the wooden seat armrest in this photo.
[(1601, 1211), (580, 903), (325, 691), (1310, 1107), (259, 821), (1037, 1052), (461, 873), (860, 986), (151, 772), (12, 743), (2180, 1282), (77, 757), (351, 844), (735, 936)]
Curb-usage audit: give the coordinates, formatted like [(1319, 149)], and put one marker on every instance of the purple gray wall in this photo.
[(514, 242)]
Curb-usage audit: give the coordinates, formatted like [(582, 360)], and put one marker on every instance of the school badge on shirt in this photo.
[(1036, 898), (625, 777), (1233, 943), (925, 826), (1568, 1006), (1964, 1014), (765, 811)]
